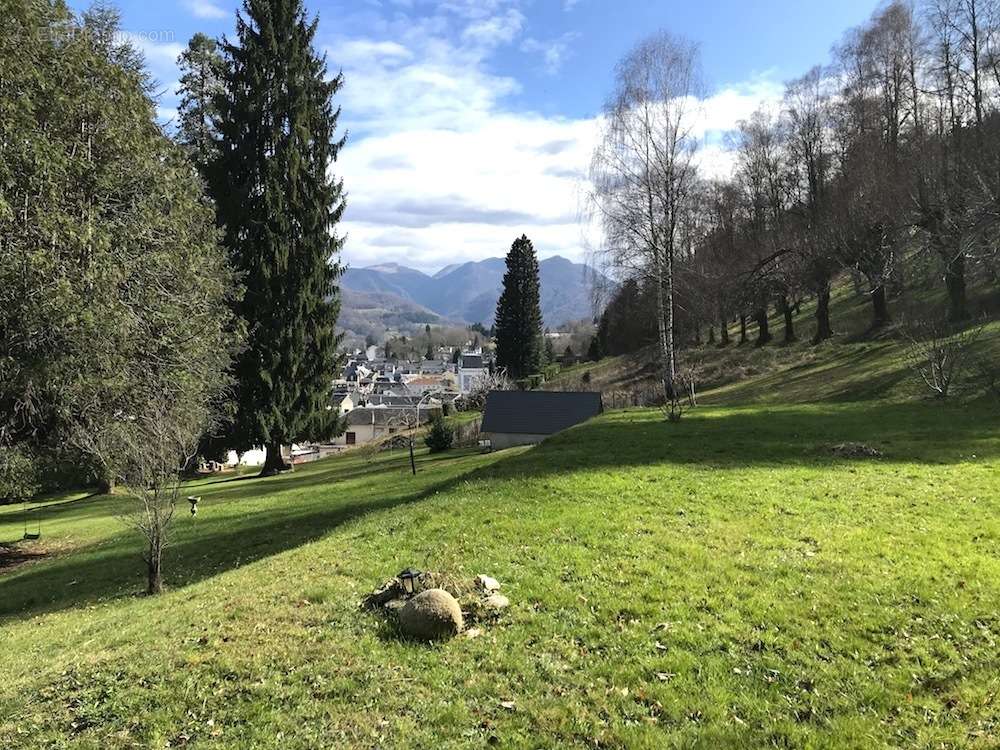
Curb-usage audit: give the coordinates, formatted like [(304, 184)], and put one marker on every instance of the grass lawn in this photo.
[(724, 582)]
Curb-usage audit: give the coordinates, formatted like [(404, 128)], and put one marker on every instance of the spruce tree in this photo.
[(519, 313), (280, 207), (201, 89)]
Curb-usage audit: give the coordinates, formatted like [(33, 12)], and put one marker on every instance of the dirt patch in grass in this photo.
[(13, 556), (854, 450)]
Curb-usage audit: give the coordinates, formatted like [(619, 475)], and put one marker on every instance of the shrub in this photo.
[(18, 481), (938, 353), (440, 437)]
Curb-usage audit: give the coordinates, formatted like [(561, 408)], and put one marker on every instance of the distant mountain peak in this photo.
[(390, 268), (469, 291)]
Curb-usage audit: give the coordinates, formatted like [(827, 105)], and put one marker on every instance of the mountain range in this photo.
[(468, 292)]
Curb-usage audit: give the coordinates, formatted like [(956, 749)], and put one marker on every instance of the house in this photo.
[(527, 417), (344, 401), (470, 369), (373, 423), (421, 384)]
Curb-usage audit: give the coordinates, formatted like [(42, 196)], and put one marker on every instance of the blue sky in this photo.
[(472, 121)]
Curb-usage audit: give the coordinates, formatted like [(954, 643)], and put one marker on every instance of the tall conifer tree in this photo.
[(519, 313), (280, 206), (201, 87)]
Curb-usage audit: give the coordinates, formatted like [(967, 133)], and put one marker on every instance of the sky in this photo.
[(471, 122)]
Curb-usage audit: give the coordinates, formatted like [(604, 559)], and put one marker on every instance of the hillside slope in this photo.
[(725, 582), (854, 365)]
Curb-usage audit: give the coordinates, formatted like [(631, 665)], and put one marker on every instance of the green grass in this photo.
[(854, 366), (724, 582)]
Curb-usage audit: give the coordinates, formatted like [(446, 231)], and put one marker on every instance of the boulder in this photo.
[(486, 583), (431, 615), (496, 602)]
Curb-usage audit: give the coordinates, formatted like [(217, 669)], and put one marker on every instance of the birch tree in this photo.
[(643, 172)]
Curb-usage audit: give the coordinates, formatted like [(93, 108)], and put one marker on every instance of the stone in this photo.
[(431, 615), (391, 589), (496, 601), (486, 583)]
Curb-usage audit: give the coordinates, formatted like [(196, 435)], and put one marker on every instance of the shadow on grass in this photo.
[(243, 521), (228, 532)]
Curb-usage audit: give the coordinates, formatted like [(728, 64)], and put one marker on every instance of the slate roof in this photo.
[(471, 361), (538, 412)]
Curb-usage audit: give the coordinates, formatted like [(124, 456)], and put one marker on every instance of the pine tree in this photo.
[(280, 206), (201, 88), (519, 313)]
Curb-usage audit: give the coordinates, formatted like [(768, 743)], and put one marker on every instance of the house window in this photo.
[(352, 438)]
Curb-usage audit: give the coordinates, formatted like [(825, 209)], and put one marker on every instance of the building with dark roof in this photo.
[(526, 417)]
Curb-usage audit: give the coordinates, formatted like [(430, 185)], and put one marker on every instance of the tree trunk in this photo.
[(763, 329), (743, 329), (711, 334), (954, 279), (824, 330), (724, 332), (154, 575), (665, 323), (274, 462), (880, 307), (787, 311), (106, 485)]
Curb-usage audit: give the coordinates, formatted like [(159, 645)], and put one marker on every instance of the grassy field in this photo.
[(726, 582)]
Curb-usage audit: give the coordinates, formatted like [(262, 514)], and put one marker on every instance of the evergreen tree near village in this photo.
[(279, 206), (519, 313)]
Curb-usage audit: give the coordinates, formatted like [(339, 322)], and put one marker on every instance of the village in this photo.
[(383, 401)]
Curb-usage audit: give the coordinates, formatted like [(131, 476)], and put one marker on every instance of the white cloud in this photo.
[(450, 174), (429, 197), (160, 50), (554, 52), (721, 114), (205, 9), (495, 31), (440, 166)]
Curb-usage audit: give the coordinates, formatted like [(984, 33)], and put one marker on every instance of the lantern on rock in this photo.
[(194, 504), (409, 578)]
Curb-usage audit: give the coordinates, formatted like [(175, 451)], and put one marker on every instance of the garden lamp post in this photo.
[(409, 579)]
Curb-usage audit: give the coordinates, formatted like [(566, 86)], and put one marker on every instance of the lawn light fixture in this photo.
[(409, 578), (194, 504)]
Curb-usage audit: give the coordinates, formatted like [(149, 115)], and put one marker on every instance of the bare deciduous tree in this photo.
[(643, 171), (938, 352)]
